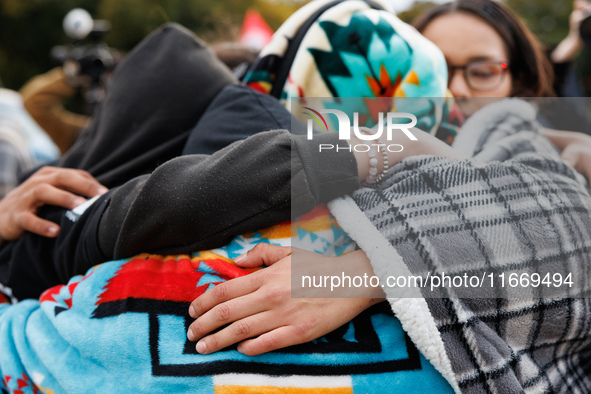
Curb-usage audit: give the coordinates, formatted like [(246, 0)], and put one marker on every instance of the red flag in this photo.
[(255, 30)]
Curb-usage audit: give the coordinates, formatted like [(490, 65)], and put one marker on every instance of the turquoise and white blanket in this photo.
[(122, 328)]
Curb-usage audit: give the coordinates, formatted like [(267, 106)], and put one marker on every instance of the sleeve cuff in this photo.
[(331, 171)]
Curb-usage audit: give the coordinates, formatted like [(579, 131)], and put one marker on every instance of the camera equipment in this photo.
[(88, 56)]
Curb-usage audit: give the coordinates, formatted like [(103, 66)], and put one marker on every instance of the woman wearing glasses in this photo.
[(490, 54)]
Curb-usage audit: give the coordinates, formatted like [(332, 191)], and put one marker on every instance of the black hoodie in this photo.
[(171, 96)]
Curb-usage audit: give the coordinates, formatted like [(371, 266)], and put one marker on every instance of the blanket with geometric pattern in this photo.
[(122, 327)]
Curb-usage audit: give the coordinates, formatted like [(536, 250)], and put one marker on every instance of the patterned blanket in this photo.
[(513, 207), (356, 49), (122, 328)]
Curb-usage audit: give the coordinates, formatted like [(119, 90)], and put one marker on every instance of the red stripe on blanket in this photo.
[(167, 278)]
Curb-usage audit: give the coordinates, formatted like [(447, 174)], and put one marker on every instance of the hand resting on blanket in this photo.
[(49, 185), (259, 310)]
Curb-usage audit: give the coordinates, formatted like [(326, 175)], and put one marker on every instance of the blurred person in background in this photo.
[(45, 94), (23, 145), (566, 81), (570, 111), (86, 68), (43, 98)]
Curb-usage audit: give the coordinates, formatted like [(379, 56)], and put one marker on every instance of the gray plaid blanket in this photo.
[(513, 205)]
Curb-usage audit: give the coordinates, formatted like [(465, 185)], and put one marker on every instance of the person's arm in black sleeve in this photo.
[(241, 187), (33, 263), (189, 203), (199, 202)]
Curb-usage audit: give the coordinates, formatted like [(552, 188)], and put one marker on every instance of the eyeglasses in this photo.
[(481, 75)]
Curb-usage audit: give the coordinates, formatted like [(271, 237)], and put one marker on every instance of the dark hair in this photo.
[(530, 68)]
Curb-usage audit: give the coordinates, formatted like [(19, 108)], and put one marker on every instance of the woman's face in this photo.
[(476, 55)]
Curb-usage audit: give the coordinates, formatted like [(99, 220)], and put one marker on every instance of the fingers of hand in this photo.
[(276, 339), (30, 222), (240, 302), (302, 321), (77, 181), (263, 254), (221, 293), (57, 186), (580, 5), (238, 331), (271, 330), (48, 194), (225, 313)]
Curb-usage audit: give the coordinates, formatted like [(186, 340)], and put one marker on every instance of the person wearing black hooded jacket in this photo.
[(192, 159)]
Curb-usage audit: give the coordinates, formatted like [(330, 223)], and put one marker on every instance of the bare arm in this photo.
[(571, 45), (575, 148)]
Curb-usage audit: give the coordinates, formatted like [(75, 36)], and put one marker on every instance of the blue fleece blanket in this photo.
[(122, 328)]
